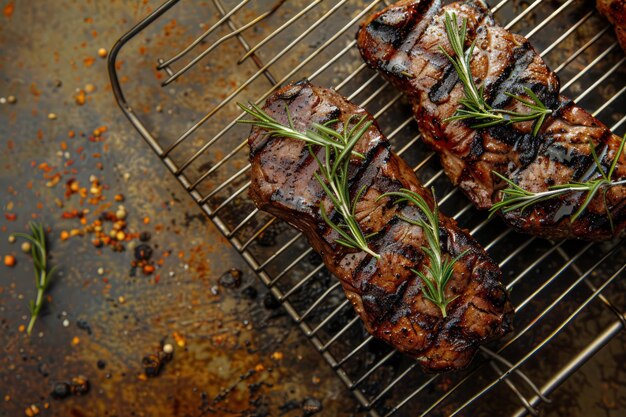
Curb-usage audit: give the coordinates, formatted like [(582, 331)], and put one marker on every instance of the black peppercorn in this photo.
[(152, 365), (270, 302), (311, 406), (231, 278), (60, 390), (250, 292), (143, 252)]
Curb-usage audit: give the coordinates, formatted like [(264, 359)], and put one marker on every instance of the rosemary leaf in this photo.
[(338, 146), (440, 267), (474, 107), (37, 238), (515, 197)]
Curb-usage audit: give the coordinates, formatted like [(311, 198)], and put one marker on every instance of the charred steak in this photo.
[(405, 38), (615, 12), (384, 292)]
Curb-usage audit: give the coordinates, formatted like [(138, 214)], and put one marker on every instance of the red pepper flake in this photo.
[(80, 97), (71, 134), (8, 9), (54, 180), (45, 167), (50, 175), (100, 130), (10, 216), (89, 61), (9, 260), (72, 214), (34, 91)]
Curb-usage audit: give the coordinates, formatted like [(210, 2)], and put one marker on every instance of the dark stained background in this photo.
[(238, 354)]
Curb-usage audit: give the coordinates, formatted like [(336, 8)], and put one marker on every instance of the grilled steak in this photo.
[(615, 12), (384, 292), (405, 38)]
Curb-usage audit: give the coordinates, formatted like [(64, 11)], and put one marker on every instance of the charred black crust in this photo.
[(511, 79), (441, 90), (477, 148), (383, 304), (384, 29)]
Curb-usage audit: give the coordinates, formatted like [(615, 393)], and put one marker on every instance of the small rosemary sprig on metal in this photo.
[(37, 238), (516, 198), (474, 105), (333, 170), (440, 266)]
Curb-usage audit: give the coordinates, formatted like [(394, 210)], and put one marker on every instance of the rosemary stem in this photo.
[(346, 214), (371, 252), (35, 313), (37, 238), (474, 107), (516, 198), (473, 90), (574, 188)]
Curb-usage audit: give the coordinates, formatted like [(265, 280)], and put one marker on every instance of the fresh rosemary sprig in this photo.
[(333, 169), (474, 105), (440, 266), (37, 238), (516, 198), (320, 135)]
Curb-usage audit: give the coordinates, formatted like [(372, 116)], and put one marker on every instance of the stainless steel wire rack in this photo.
[(566, 294)]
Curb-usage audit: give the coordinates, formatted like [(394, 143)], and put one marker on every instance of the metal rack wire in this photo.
[(555, 285)]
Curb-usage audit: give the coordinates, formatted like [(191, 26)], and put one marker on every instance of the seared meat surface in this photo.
[(615, 12), (405, 38), (385, 293)]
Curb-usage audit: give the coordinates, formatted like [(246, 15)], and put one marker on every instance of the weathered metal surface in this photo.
[(238, 355), (231, 340)]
